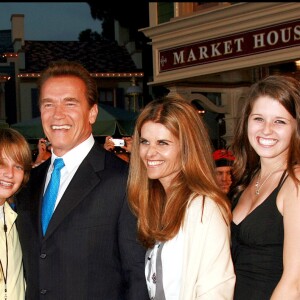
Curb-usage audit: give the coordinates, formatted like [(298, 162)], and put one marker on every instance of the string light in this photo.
[(10, 55), (4, 77), (107, 75)]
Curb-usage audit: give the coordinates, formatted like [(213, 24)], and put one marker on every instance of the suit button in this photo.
[(43, 255), (43, 291)]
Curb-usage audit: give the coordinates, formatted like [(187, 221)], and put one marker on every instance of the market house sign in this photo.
[(284, 35)]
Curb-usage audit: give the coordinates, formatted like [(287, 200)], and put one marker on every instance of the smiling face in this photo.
[(270, 128), (11, 177), (160, 153), (66, 116)]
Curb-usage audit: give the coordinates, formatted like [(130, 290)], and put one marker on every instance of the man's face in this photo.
[(66, 116), (223, 175)]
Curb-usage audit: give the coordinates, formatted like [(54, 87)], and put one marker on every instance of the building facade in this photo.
[(210, 53), (117, 72)]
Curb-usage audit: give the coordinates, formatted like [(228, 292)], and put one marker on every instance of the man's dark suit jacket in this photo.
[(90, 250)]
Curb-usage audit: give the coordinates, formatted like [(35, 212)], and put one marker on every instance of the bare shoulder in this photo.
[(289, 179), (289, 194), (290, 184)]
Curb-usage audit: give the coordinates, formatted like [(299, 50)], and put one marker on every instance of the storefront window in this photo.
[(106, 96), (211, 5), (165, 11)]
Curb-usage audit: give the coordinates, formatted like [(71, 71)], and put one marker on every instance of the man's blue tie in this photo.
[(51, 193)]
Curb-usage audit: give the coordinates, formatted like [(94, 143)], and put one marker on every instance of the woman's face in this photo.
[(160, 152), (11, 177), (270, 128)]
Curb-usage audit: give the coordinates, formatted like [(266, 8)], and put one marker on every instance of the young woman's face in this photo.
[(11, 177), (270, 128), (160, 152)]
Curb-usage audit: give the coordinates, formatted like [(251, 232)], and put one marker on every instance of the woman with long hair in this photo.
[(266, 202), (183, 217)]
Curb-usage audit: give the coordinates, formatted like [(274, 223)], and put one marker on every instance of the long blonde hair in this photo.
[(160, 218)]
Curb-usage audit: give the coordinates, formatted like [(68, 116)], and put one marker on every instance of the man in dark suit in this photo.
[(89, 249)]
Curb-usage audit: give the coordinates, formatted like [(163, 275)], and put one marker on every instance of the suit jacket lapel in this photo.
[(78, 187), (38, 179)]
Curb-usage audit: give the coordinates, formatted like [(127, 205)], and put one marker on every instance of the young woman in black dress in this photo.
[(266, 205)]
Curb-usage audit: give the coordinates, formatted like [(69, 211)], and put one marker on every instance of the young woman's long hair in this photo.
[(284, 89), (159, 217)]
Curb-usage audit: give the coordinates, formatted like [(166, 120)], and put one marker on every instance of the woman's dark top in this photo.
[(257, 250)]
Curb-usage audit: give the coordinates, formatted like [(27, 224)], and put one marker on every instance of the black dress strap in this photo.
[(282, 180)]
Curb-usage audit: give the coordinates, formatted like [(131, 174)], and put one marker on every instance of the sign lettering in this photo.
[(261, 40)]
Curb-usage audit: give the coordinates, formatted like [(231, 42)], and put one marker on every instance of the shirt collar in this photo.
[(75, 156)]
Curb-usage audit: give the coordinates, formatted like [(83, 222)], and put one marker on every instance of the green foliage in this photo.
[(89, 36), (133, 14)]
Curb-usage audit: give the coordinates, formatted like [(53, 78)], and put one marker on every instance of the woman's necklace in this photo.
[(259, 186)]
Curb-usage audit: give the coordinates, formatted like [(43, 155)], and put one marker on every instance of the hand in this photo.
[(42, 148), (128, 143), (109, 145)]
